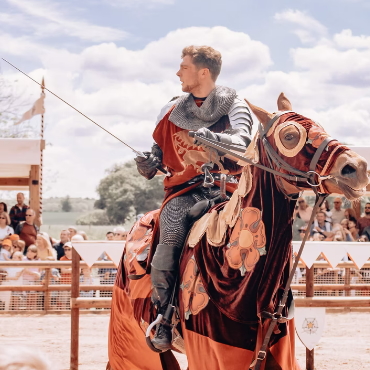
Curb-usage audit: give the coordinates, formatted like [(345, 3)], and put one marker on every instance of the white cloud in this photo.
[(124, 90), (346, 40), (47, 19), (136, 3), (309, 28)]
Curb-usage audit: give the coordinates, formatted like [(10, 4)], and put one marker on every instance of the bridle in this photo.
[(311, 177)]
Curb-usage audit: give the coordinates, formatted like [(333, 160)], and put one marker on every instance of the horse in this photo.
[(237, 258)]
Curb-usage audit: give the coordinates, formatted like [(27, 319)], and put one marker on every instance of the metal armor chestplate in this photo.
[(221, 111)]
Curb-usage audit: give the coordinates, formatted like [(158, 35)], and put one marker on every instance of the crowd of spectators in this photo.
[(21, 240), (333, 223)]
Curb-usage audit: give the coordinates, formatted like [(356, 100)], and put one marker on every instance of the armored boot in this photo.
[(163, 274)]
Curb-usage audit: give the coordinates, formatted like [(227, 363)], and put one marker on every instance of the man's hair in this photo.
[(322, 212), (109, 232), (205, 57)]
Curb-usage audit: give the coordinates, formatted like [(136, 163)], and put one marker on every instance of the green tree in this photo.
[(66, 204), (124, 193)]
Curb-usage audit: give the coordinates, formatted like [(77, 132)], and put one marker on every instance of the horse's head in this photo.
[(290, 142)]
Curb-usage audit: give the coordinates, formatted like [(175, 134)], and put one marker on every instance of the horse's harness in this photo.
[(311, 177)]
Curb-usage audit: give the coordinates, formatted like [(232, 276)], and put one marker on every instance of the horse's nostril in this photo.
[(348, 170)]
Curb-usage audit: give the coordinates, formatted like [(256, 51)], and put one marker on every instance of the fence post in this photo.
[(75, 312), (310, 363), (47, 291)]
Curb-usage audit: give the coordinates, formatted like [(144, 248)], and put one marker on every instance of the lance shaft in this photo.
[(138, 153)]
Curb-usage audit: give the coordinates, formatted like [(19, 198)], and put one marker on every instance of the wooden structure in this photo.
[(20, 169)]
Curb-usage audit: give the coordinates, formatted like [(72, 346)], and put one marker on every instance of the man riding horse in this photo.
[(214, 112)]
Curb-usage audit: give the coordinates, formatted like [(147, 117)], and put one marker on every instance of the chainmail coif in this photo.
[(189, 116)]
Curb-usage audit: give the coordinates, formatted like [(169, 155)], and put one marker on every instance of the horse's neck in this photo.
[(267, 197)]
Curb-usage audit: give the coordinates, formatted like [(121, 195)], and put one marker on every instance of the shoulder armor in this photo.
[(239, 114), (166, 108)]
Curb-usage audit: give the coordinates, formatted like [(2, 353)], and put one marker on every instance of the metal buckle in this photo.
[(318, 178), (261, 355)]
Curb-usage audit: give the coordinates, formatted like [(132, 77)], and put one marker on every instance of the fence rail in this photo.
[(46, 295)]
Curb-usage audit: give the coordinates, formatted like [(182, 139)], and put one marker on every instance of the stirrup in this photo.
[(165, 319), (148, 331)]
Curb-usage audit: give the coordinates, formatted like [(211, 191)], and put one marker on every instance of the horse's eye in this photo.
[(289, 137)]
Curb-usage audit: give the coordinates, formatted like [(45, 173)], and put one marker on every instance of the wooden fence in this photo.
[(306, 284)]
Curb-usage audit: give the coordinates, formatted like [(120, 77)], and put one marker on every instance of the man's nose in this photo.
[(178, 73)]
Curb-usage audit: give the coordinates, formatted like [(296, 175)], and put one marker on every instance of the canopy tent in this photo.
[(20, 168)]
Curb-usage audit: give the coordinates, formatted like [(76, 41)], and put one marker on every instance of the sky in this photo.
[(116, 60)]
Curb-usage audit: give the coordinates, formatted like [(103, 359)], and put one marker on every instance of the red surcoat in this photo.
[(184, 159)]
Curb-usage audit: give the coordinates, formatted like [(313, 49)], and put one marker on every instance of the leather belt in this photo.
[(217, 176)]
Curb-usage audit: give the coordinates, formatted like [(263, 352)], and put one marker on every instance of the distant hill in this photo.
[(80, 205)]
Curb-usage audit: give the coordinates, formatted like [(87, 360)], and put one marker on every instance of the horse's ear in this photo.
[(262, 115), (283, 103)]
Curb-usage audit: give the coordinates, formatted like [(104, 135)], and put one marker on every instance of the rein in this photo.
[(311, 177)]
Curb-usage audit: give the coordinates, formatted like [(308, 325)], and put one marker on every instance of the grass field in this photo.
[(60, 218), (54, 222)]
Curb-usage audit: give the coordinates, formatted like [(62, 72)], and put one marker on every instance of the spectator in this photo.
[(303, 211), (44, 248), (3, 207), (54, 280), (86, 279), (27, 230), (18, 246), (18, 212), (321, 226), (364, 221), (365, 236), (66, 275), (72, 231), (337, 212), (64, 238), (66, 272), (15, 275), (109, 235), (353, 229), (326, 209), (350, 213), (120, 233), (5, 229), (30, 276), (344, 224), (6, 251), (83, 234)]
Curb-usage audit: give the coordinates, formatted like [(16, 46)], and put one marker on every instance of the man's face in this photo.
[(302, 203), (320, 218), (337, 204), (30, 217), (110, 236), (367, 209), (68, 252), (72, 232), (64, 236), (20, 198), (189, 74), (120, 235)]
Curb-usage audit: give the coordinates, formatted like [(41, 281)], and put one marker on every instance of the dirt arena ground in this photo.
[(345, 344)]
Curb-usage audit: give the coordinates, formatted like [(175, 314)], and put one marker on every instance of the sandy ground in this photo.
[(344, 345)]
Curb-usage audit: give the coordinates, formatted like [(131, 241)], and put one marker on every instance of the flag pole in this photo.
[(41, 152)]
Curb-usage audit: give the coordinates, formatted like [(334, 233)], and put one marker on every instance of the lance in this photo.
[(137, 152)]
